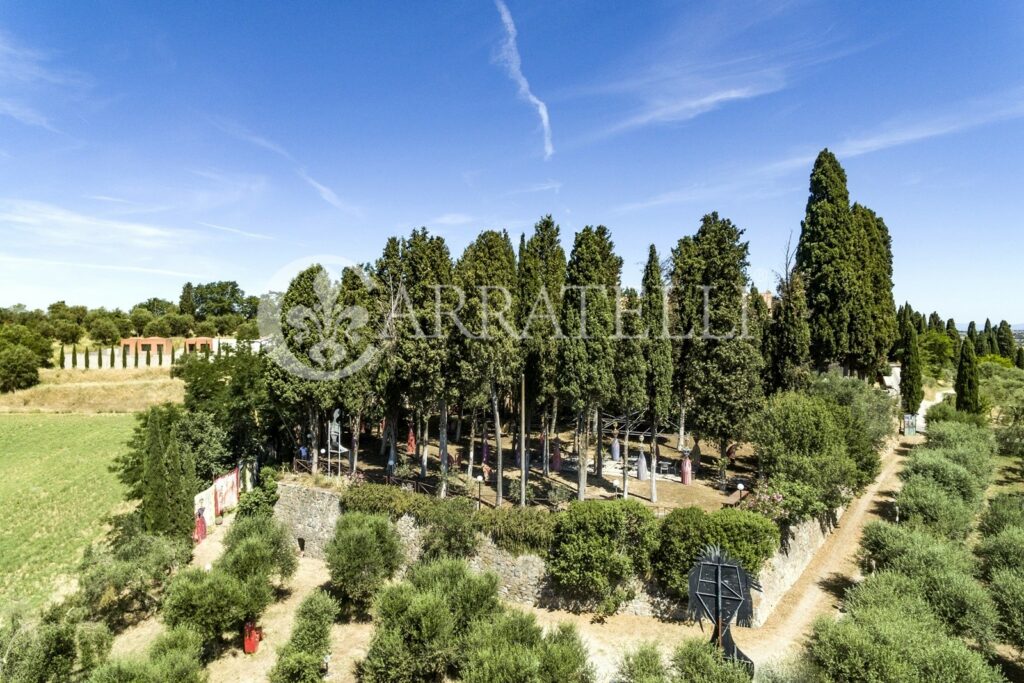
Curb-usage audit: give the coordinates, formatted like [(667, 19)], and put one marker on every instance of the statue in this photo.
[(719, 590)]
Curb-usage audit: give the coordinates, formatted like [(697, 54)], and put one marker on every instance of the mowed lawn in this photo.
[(55, 490)]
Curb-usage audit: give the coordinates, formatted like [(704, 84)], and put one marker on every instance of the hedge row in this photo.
[(302, 658), (1001, 554)]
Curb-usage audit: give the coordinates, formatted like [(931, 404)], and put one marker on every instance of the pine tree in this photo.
[(63, 360), (826, 258), (967, 396), (911, 383), (1005, 340), (587, 353), (657, 356), (787, 344)]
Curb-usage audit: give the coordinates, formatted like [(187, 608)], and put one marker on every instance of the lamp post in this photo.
[(740, 487), (479, 490)]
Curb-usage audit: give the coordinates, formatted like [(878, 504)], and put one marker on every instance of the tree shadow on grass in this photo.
[(836, 585)]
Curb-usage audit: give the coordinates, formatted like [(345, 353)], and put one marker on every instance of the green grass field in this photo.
[(55, 490)]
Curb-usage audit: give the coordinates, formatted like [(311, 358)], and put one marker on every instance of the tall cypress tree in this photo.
[(954, 336), (686, 311), (826, 258), (1005, 340), (492, 360), (631, 371), (86, 357), (74, 356), (972, 336), (911, 383), (968, 398), (542, 277), (878, 289), (657, 355), (727, 369), (587, 353), (63, 360), (156, 514), (787, 343), (1019, 361), (112, 359)]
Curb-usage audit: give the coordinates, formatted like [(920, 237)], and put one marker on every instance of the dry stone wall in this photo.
[(311, 513)]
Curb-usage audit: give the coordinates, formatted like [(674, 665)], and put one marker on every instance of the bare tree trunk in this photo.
[(314, 441), (625, 461), (458, 427), (442, 440), (545, 446), (599, 445), (682, 427), (524, 453), (421, 445), (581, 462), (472, 446), (497, 442), (654, 463), (354, 458)]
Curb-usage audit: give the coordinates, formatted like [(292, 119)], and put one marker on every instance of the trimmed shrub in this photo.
[(213, 602), (451, 530), (925, 504), (364, 553), (888, 546), (685, 533), (1004, 510), (519, 529), (947, 474), (643, 665), (421, 623), (377, 499), (696, 661), (1008, 591), (301, 659), (1005, 550), (597, 547), (259, 546)]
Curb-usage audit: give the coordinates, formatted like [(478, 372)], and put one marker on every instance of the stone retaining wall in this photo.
[(311, 513)]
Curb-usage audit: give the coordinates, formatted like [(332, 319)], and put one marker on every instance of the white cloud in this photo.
[(236, 231), (53, 226), (687, 106), (326, 193), (25, 114), (240, 132), (509, 56), (452, 219), (24, 73)]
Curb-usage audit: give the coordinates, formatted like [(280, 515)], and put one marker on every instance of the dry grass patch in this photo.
[(96, 391)]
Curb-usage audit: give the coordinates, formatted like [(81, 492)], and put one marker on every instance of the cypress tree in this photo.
[(172, 354), (112, 360), (992, 344), (968, 398), (685, 323), (789, 337), (99, 356), (935, 322), (135, 356), (1005, 340), (1020, 357), (74, 356), (631, 370), (972, 336), (911, 383), (727, 368), (881, 330), (827, 258), (86, 357), (541, 281), (160, 356), (149, 356), (954, 336), (587, 353), (155, 510), (63, 360), (657, 355)]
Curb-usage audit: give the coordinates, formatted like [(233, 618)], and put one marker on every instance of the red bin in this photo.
[(251, 638)]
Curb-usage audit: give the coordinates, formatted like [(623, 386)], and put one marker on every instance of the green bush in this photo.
[(519, 529), (926, 504), (94, 641), (696, 661), (945, 412), (364, 553), (890, 546), (503, 650), (178, 639), (1008, 591), (685, 533), (564, 657), (37, 652), (255, 503), (598, 545), (949, 475), (643, 665), (19, 368), (259, 546), (378, 499), (1005, 550), (451, 530), (1004, 510), (799, 441), (295, 666), (865, 416), (422, 622), (957, 436), (301, 658), (213, 602)]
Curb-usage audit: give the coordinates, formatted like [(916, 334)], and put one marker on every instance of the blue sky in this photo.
[(145, 145)]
